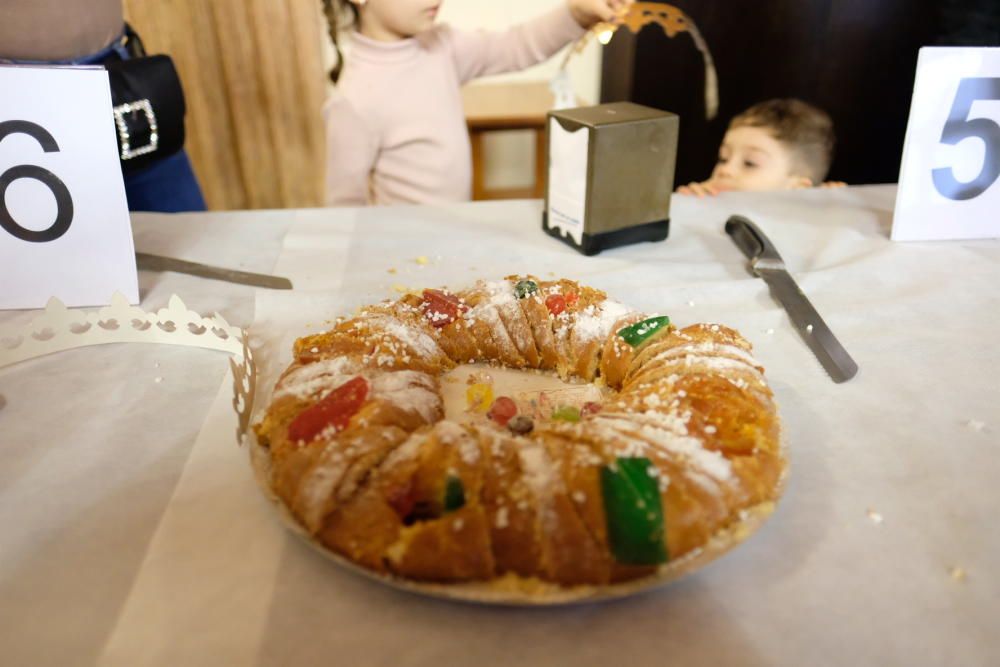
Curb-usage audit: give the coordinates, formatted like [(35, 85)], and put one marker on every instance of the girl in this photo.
[(395, 129)]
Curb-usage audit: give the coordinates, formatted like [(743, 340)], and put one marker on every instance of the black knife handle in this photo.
[(750, 240)]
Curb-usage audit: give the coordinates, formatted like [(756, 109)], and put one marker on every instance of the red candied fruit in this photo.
[(441, 308), (590, 408), (502, 410), (556, 303), (335, 409)]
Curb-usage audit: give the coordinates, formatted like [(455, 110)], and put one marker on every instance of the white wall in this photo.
[(509, 156), (584, 67)]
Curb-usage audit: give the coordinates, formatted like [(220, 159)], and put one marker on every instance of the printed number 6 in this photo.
[(64, 202), (958, 127)]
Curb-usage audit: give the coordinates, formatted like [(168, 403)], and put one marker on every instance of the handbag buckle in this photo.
[(127, 152)]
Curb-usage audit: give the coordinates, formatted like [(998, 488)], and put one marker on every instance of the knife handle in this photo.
[(750, 240)]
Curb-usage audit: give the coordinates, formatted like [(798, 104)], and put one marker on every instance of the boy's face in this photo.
[(750, 158), (389, 20)]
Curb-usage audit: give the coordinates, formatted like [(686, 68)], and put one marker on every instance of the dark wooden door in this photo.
[(854, 58)]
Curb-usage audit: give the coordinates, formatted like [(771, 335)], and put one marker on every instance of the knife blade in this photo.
[(766, 263), (149, 262)]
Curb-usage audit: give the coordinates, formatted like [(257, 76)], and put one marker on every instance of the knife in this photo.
[(766, 263), (147, 262)]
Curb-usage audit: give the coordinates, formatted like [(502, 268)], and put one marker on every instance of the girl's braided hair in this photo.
[(338, 12)]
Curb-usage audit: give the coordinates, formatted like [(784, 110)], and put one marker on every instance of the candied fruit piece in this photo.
[(638, 333), (335, 409), (634, 512), (441, 308), (525, 288), (502, 410), (556, 303), (567, 413), (479, 397), (521, 424)]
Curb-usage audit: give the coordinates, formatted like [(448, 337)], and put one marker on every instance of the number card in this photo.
[(949, 181), (64, 224)]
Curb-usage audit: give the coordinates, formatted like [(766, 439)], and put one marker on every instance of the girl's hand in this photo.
[(699, 189), (590, 12)]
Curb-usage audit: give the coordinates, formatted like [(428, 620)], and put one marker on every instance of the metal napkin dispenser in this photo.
[(611, 172)]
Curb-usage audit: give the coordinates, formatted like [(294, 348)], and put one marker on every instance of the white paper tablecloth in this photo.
[(129, 540)]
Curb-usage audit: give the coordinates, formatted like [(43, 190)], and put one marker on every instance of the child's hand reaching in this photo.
[(700, 189), (590, 12)]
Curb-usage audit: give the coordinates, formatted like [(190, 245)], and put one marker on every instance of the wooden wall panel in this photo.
[(254, 82)]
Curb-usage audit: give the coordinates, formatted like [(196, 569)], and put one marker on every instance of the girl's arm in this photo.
[(351, 149), (481, 53)]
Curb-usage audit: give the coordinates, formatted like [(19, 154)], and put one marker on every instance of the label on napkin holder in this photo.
[(611, 172)]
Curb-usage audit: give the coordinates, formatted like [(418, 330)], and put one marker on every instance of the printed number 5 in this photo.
[(64, 202), (959, 127)]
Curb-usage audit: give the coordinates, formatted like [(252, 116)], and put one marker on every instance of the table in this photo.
[(502, 107), (133, 533)]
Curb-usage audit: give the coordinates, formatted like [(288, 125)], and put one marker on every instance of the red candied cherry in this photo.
[(556, 303), (590, 408), (502, 410), (335, 409), (441, 308)]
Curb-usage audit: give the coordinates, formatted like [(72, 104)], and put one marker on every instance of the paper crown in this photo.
[(59, 328)]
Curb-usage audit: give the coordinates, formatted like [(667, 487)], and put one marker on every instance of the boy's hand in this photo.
[(590, 12), (699, 189)]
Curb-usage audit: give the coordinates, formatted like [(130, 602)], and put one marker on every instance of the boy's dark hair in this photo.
[(806, 130)]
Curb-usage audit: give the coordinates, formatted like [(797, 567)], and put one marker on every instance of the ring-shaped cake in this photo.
[(678, 461)]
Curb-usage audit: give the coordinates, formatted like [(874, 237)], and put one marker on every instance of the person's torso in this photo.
[(411, 99), (57, 29)]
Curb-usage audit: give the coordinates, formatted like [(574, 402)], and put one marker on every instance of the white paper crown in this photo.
[(59, 328)]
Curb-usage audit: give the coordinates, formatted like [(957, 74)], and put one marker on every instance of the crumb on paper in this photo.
[(402, 289), (874, 516), (156, 364), (391, 270), (158, 380), (958, 573), (976, 425), (422, 260), (769, 332), (691, 303)]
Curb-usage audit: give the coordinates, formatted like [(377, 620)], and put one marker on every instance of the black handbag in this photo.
[(148, 107)]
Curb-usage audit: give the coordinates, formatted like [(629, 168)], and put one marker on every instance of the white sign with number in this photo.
[(64, 224), (949, 182)]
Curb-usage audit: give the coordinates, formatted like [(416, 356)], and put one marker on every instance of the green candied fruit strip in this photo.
[(525, 288), (567, 413), (634, 512), (638, 333), (454, 494)]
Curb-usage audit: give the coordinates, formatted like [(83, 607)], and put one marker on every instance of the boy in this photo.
[(775, 145)]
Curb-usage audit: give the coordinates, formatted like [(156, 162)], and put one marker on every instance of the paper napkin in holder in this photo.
[(611, 172)]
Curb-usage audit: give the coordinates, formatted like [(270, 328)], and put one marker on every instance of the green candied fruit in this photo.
[(634, 513), (567, 413), (454, 494), (638, 333), (525, 288)]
